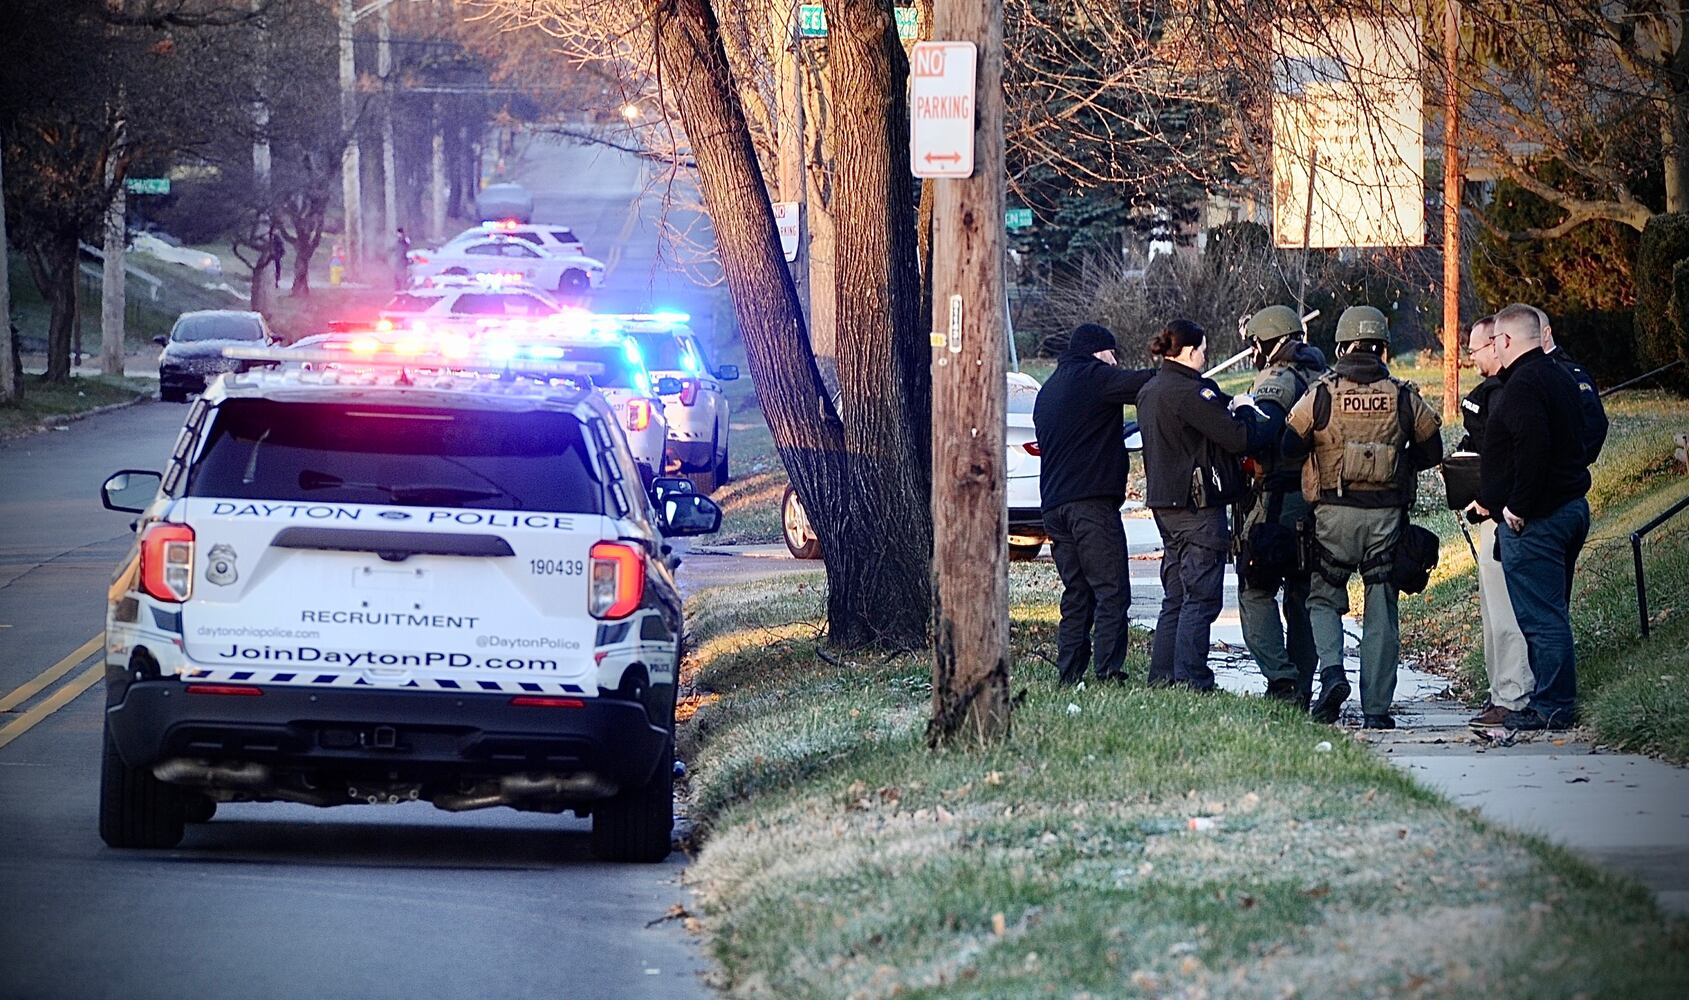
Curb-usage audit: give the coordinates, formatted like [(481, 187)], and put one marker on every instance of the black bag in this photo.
[(1415, 558), (1460, 479), (1271, 552)]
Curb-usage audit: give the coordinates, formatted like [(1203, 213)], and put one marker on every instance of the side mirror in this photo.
[(161, 341), (664, 487), (667, 386), (130, 491), (727, 373), (689, 514)]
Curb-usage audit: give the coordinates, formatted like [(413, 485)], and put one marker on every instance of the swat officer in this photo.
[(1365, 436), (1276, 517)]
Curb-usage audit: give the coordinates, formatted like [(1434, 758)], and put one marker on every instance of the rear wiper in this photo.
[(311, 479)]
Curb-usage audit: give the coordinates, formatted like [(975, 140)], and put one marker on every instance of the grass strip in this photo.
[(78, 394), (842, 858)]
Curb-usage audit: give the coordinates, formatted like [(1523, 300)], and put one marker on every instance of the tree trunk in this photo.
[(54, 270), (11, 387), (883, 362), (302, 254), (1675, 131), (806, 431), (112, 287)]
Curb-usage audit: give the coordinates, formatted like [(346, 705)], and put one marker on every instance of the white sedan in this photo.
[(511, 260)]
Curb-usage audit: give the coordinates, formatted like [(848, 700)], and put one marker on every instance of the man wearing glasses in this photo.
[(1533, 480), (1506, 659)]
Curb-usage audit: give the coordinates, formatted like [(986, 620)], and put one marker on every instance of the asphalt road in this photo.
[(284, 900)]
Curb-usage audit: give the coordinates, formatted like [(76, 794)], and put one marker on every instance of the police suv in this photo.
[(397, 579)]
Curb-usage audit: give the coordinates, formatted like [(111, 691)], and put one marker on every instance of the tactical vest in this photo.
[(1283, 383), (1361, 434)]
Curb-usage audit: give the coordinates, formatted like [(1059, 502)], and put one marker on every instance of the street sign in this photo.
[(812, 21), (147, 185), (941, 109), (786, 218), (1017, 218)]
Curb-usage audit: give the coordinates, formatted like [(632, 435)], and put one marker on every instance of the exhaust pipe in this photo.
[(526, 790), (243, 776)]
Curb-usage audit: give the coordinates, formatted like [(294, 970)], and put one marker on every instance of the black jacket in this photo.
[(1589, 403), (1475, 411), (1191, 443), (1533, 448), (1082, 431)]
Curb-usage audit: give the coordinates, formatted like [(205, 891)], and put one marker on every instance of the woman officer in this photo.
[(1193, 437)]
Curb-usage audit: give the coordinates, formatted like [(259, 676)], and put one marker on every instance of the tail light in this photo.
[(167, 562), (541, 701), (616, 586), (1032, 448), (688, 391), (639, 414), (227, 690)]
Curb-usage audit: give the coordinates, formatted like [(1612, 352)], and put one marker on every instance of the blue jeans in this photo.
[(1538, 563), (1194, 547)]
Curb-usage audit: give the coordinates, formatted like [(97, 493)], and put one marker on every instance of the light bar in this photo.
[(656, 317), (371, 353)]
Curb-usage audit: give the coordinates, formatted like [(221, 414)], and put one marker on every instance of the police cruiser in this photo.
[(397, 578)]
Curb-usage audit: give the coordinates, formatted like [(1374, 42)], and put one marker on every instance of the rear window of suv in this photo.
[(417, 457), (190, 328)]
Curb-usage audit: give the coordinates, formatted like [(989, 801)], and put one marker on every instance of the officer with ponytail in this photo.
[(1365, 437), (1194, 438)]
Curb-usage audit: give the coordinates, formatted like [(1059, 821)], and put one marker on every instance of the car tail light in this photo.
[(639, 414), (616, 586), (419, 258), (167, 562), (688, 391), (236, 690), (1032, 448)]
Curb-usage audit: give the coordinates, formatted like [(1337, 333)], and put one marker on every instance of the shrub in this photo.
[(1600, 340), (1587, 270), (1661, 334)]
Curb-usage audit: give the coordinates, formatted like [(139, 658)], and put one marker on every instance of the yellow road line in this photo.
[(57, 700), (39, 683)]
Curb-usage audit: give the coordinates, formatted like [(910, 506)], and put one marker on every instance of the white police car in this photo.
[(405, 579)]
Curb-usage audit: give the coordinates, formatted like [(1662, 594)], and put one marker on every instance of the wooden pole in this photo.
[(1451, 211), (970, 519)]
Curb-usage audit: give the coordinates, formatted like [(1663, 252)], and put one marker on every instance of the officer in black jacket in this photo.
[(1082, 483), (1533, 480), (1193, 445), (1589, 395)]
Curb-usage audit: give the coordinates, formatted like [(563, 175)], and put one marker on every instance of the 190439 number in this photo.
[(557, 567)]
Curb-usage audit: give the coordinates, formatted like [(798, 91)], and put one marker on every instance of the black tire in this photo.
[(721, 476), (573, 283), (456, 272), (1024, 553), (638, 825), (136, 809), (806, 547), (198, 808), (172, 395)]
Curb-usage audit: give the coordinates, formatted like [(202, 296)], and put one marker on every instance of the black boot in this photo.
[(1334, 691), (1282, 689), (1379, 722)]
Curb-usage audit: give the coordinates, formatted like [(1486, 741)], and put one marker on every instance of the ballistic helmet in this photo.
[(1362, 323), (1272, 323)]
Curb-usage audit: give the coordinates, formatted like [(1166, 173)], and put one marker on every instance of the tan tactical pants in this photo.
[(1506, 660)]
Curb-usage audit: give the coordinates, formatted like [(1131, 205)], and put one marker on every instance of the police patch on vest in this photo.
[(1206, 393), (1368, 403)]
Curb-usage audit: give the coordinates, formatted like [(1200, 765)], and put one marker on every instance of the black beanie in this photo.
[(1089, 338)]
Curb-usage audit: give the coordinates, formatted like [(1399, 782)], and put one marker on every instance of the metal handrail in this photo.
[(1636, 554)]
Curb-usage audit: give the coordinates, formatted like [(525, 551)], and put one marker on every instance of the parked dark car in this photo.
[(193, 353), (505, 201)]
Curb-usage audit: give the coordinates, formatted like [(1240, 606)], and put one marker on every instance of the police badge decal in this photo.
[(220, 565)]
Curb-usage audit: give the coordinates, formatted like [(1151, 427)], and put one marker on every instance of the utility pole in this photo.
[(970, 559), (111, 271), (789, 124), (9, 387), (817, 158), (384, 67), (350, 165), (261, 289), (439, 185), (1451, 211)]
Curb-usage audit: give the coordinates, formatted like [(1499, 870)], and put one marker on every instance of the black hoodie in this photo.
[(1081, 430)]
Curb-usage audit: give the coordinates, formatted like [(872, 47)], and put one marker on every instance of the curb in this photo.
[(60, 419)]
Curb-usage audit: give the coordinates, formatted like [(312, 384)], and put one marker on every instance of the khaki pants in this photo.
[(1506, 658), (1354, 535)]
